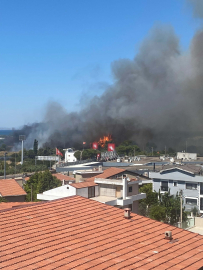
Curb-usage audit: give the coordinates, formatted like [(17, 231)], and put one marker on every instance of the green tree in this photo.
[(40, 182), (35, 147), (157, 212)]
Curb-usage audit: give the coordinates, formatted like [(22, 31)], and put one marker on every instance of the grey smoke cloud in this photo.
[(197, 7), (157, 96)]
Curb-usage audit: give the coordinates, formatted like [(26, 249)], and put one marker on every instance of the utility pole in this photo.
[(181, 209), (186, 146), (22, 138), (152, 151), (134, 151), (15, 163), (165, 151), (5, 165)]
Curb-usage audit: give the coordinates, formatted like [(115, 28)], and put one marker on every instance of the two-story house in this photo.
[(187, 179), (114, 187)]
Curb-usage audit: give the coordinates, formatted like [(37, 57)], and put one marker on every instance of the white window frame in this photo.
[(176, 183), (193, 198), (192, 184)]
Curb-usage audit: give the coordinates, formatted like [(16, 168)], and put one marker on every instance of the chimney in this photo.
[(127, 213), (168, 235), (125, 187), (100, 168)]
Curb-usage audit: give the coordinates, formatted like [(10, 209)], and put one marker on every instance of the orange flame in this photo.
[(105, 139)]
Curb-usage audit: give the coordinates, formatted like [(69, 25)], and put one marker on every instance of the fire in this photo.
[(105, 139)]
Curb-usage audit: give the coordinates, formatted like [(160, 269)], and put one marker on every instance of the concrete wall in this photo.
[(96, 191), (82, 192), (135, 205), (135, 189), (199, 222)]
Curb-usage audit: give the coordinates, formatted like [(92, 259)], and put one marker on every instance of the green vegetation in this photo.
[(40, 182), (35, 147), (86, 154), (128, 148), (161, 207)]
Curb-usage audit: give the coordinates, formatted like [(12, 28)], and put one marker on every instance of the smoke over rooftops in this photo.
[(155, 96)]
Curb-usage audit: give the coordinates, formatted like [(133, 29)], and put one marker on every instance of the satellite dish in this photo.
[(172, 160)]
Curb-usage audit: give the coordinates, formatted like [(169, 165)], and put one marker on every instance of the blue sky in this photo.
[(62, 50)]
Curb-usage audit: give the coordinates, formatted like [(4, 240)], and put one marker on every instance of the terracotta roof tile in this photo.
[(9, 187), (6, 205), (92, 236), (62, 177), (108, 173), (83, 184)]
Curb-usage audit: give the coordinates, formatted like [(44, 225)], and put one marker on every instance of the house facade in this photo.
[(187, 180)]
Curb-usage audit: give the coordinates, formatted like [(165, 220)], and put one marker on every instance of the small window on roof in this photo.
[(130, 189)]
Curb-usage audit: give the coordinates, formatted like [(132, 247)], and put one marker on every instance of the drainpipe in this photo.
[(125, 186)]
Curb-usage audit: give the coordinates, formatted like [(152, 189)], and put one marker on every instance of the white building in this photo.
[(69, 155), (186, 156)]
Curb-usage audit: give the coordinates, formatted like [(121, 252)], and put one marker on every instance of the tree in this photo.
[(40, 182), (35, 147), (157, 212), (127, 148)]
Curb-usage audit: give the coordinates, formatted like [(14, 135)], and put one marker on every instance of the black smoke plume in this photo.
[(156, 97)]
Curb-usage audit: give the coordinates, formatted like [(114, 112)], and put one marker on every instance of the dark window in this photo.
[(201, 203), (91, 192), (191, 201), (67, 187), (130, 189), (164, 186), (191, 186), (175, 184), (201, 188)]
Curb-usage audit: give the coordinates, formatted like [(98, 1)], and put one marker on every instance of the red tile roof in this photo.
[(7, 205), (108, 173), (79, 233), (84, 184), (9, 187), (62, 177)]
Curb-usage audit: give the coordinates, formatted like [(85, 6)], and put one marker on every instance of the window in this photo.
[(164, 186), (91, 192), (191, 201), (201, 188), (130, 189), (201, 203), (175, 184), (191, 186), (67, 187), (124, 175)]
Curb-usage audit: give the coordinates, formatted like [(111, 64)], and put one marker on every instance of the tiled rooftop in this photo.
[(9, 187), (62, 177), (78, 233), (84, 184), (108, 173), (7, 205)]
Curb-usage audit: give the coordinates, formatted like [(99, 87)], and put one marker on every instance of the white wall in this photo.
[(57, 193), (182, 155), (96, 191), (82, 192)]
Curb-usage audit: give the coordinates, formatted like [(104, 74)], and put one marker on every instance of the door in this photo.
[(91, 192), (118, 192)]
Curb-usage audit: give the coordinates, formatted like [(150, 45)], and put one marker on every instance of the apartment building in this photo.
[(187, 179)]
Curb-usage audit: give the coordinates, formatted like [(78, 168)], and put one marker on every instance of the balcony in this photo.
[(119, 201)]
